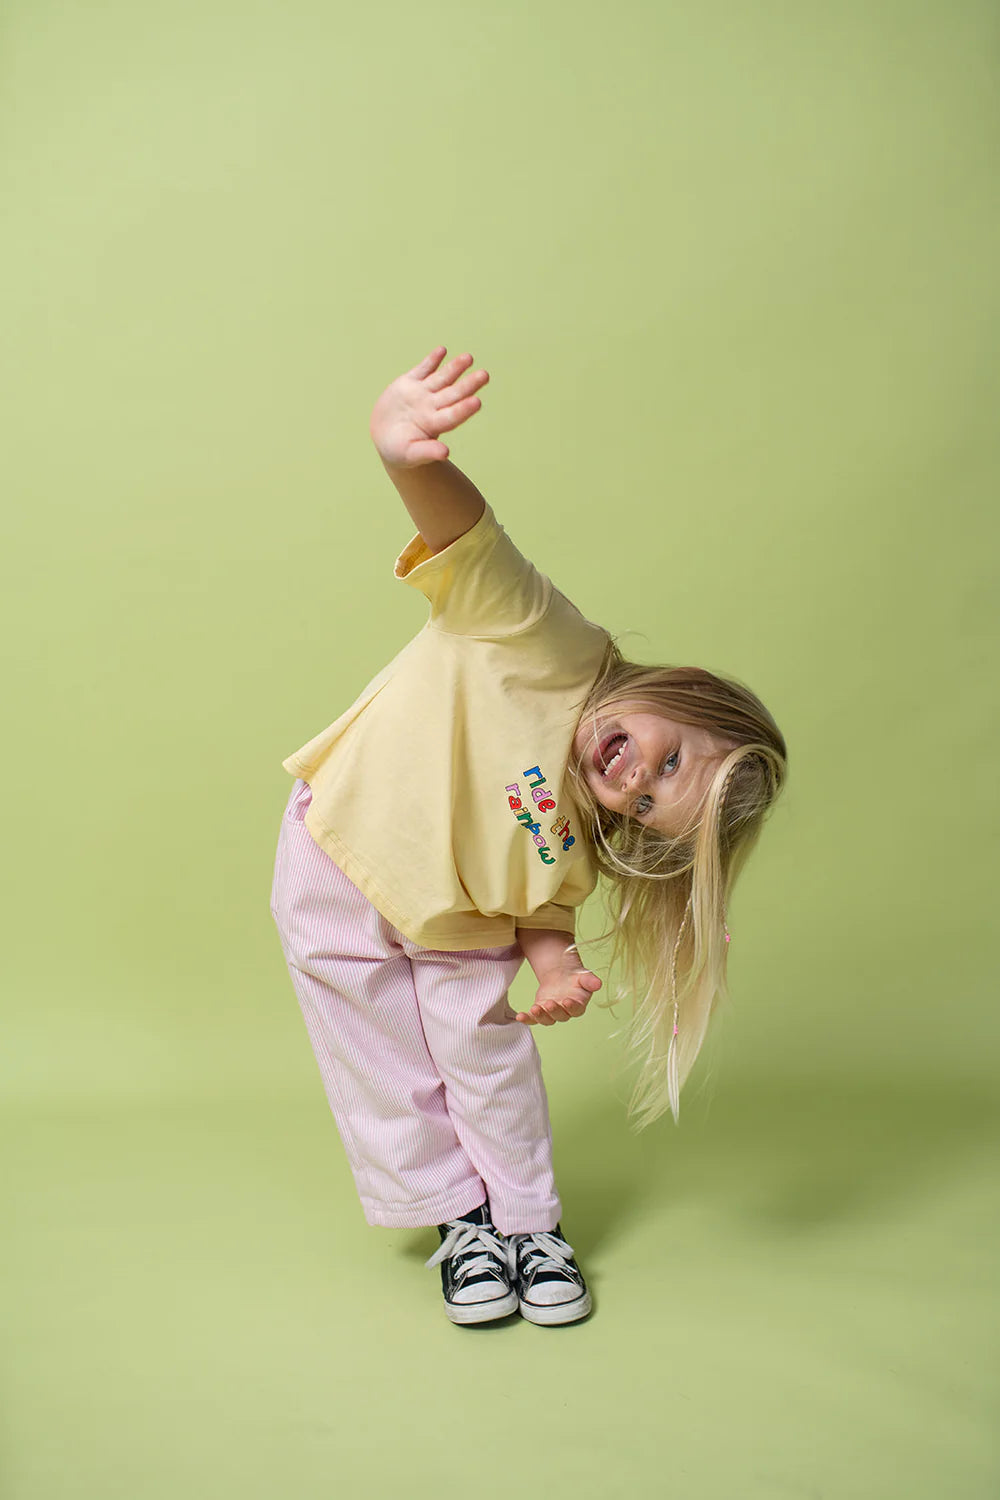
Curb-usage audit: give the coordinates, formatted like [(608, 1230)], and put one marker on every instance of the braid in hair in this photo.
[(673, 1089)]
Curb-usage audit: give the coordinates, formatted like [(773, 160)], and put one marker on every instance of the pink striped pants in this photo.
[(436, 1090)]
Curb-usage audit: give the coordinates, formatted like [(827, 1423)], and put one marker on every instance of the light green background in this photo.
[(732, 269)]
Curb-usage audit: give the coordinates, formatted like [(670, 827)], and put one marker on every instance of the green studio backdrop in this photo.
[(732, 271)]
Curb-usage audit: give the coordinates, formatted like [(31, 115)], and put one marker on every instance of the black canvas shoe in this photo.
[(474, 1275), (548, 1282)]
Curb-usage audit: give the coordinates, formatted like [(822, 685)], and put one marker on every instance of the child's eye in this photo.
[(644, 803)]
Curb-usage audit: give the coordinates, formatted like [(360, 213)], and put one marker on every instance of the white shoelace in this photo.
[(461, 1240), (546, 1252)]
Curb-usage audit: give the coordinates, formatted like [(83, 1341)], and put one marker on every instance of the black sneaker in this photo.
[(549, 1284), (474, 1276)]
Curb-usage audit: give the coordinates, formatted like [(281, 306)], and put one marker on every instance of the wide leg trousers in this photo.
[(435, 1088)]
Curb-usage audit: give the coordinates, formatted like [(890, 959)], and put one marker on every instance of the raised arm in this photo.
[(406, 424)]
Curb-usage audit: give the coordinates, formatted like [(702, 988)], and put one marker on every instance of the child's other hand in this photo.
[(417, 407), (560, 998)]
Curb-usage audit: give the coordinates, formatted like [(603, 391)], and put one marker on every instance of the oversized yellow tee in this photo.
[(442, 791)]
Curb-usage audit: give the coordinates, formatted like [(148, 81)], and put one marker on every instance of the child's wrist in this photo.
[(562, 964), (549, 952)]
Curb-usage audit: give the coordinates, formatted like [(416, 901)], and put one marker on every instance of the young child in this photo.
[(445, 828)]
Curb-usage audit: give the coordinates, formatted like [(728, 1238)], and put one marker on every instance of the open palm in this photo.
[(413, 411)]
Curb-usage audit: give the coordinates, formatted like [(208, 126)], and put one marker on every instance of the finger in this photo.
[(573, 1008), (454, 416), (525, 1018), (447, 373), (427, 452), (429, 362), (589, 981), (542, 1016), (472, 381)]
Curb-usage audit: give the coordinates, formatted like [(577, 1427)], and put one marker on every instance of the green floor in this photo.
[(794, 1297)]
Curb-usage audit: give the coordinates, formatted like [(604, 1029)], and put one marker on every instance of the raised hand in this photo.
[(413, 411)]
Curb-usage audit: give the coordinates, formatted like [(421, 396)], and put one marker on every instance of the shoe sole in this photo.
[(557, 1312), (482, 1312)]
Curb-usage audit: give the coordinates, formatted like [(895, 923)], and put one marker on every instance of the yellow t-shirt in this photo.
[(441, 792)]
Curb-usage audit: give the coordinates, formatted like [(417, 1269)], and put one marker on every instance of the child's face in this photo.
[(641, 764)]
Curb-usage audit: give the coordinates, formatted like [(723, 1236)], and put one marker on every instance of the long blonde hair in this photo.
[(668, 895)]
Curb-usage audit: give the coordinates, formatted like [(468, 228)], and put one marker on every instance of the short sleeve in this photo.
[(478, 585), (553, 917), (578, 884)]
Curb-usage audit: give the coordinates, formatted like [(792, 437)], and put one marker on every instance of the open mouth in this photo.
[(610, 753)]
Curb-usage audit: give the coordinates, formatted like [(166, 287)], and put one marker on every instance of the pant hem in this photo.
[(527, 1220), (424, 1215)]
